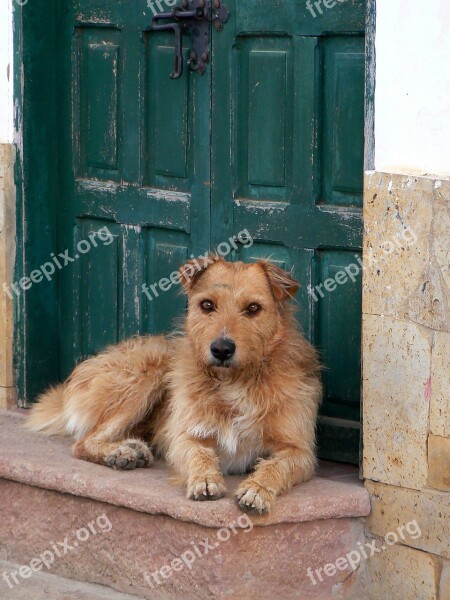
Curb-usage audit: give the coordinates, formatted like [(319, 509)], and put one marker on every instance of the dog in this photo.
[(237, 392)]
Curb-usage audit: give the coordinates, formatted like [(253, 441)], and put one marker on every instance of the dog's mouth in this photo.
[(226, 364)]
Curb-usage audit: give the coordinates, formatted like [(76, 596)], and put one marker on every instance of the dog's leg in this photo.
[(197, 463), (111, 400), (109, 446), (286, 467)]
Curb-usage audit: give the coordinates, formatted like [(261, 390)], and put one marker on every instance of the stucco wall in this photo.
[(6, 72), (412, 108)]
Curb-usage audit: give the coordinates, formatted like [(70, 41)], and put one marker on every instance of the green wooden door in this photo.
[(269, 139), (287, 164)]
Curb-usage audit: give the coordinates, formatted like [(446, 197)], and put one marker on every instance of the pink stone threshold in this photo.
[(47, 463)]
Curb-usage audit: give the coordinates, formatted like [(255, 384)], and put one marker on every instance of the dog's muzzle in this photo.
[(223, 350)]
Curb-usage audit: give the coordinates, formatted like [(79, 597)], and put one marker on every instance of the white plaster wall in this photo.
[(412, 97), (6, 72)]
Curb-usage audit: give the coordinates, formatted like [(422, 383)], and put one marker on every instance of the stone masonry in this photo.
[(406, 406)]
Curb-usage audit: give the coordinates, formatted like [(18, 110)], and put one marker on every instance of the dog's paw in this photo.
[(208, 488), (254, 499), (130, 455)]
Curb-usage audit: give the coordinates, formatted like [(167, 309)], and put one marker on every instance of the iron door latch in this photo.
[(194, 16)]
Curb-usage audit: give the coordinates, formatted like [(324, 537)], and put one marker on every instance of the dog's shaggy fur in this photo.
[(207, 410)]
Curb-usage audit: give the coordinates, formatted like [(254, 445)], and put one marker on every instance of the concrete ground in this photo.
[(45, 586)]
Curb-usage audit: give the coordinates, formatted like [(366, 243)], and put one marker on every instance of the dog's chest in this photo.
[(239, 439)]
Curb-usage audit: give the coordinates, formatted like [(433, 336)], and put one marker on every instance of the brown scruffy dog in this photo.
[(237, 391)]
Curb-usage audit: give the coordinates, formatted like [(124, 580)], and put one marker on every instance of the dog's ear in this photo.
[(283, 285), (193, 269)]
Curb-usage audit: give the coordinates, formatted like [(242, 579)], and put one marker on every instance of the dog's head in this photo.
[(236, 313)]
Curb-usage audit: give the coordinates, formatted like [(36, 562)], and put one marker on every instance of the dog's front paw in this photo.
[(255, 499), (210, 487), (131, 454)]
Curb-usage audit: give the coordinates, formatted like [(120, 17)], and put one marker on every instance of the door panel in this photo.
[(101, 289), (288, 101), (339, 333), (292, 17), (264, 84), (165, 252), (99, 126), (169, 108), (342, 139)]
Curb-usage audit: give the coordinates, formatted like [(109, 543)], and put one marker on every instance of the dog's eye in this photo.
[(207, 306), (253, 308)]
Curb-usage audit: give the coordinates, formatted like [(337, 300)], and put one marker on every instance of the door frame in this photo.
[(37, 179)]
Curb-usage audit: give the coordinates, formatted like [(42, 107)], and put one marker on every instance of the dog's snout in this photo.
[(223, 349)]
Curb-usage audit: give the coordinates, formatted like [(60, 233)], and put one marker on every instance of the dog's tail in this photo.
[(47, 416)]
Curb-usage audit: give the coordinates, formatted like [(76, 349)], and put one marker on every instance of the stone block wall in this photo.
[(406, 382), (7, 256)]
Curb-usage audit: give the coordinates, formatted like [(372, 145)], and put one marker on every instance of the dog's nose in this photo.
[(223, 349)]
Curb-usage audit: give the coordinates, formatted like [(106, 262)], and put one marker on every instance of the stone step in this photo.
[(136, 533)]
